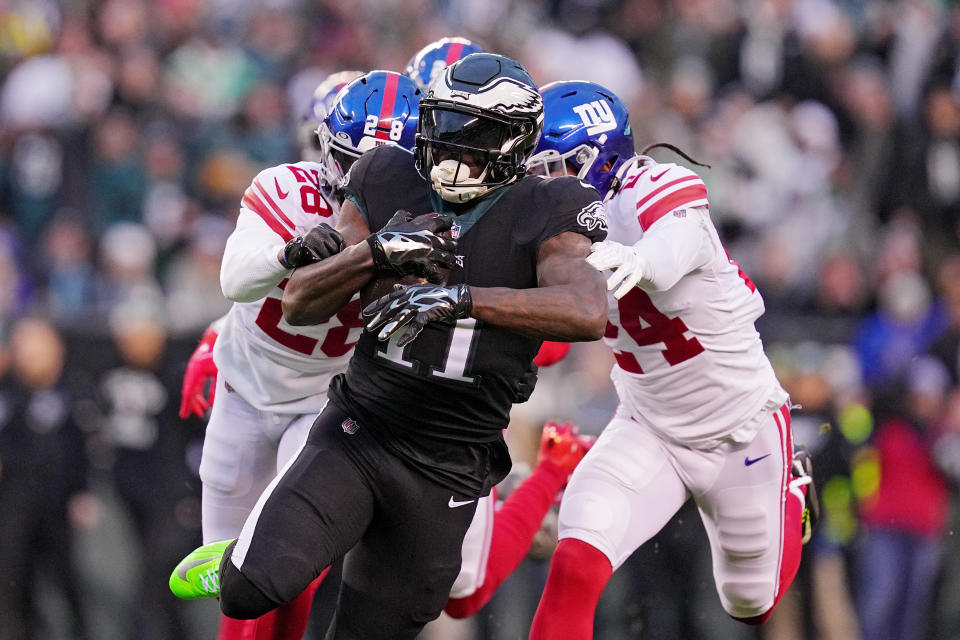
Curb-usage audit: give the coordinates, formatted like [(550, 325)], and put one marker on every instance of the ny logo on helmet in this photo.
[(596, 116)]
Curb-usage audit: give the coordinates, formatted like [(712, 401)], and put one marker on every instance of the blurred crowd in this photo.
[(129, 130)]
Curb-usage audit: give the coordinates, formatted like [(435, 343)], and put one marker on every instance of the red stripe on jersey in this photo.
[(632, 181), (273, 205), (656, 192), (386, 107), (673, 201), (255, 204), (743, 274), (453, 53)]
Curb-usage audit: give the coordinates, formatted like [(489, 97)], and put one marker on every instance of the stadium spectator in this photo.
[(905, 519), (43, 467)]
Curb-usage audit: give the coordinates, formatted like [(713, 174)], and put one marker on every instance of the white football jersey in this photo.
[(690, 362), (272, 365)]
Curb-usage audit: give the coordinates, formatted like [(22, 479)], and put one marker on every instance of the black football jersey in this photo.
[(456, 383)]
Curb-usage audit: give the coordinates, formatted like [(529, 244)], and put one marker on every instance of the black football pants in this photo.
[(345, 493)]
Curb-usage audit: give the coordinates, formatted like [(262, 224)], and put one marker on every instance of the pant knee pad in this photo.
[(240, 598)]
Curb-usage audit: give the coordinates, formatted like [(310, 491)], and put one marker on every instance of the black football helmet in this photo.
[(485, 113)]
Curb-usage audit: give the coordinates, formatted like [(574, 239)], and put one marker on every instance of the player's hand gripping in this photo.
[(627, 265), (413, 307), (320, 242), (413, 245), (200, 369)]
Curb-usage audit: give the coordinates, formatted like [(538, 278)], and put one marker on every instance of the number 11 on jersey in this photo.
[(462, 340)]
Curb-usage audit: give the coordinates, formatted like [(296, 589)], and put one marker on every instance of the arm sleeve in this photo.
[(672, 248), (250, 268)]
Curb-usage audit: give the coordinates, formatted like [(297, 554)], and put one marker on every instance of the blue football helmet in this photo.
[(428, 63), (586, 132), (378, 108), (321, 103), (479, 122)]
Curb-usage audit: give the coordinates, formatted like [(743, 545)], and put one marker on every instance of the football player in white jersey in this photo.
[(273, 378), (199, 381), (701, 412)]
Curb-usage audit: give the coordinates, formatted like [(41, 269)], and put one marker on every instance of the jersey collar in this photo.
[(466, 220)]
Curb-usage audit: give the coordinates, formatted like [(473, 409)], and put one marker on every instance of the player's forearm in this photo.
[(249, 272), (568, 313), (317, 292)]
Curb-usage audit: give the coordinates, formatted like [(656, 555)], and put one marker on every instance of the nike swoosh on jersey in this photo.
[(186, 566), (654, 178), (280, 192), (747, 461), (453, 504)]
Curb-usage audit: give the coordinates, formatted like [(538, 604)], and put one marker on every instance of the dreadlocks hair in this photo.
[(676, 150)]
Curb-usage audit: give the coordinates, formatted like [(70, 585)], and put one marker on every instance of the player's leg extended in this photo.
[(290, 620), (399, 576), (623, 493), (239, 461), (240, 458), (312, 513), (753, 521)]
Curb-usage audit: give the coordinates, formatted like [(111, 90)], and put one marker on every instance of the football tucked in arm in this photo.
[(382, 285)]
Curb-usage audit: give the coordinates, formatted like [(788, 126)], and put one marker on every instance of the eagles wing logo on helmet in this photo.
[(478, 126), (504, 95)]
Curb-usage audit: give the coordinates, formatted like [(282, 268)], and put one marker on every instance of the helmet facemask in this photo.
[(466, 152), (336, 158), (576, 162)]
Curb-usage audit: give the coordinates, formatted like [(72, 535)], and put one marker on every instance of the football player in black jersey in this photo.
[(412, 435)]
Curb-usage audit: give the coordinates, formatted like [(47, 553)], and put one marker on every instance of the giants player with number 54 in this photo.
[(701, 412)]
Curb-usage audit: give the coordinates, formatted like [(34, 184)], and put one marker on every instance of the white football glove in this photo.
[(626, 264)]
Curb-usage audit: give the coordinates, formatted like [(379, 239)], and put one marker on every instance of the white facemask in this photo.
[(444, 173)]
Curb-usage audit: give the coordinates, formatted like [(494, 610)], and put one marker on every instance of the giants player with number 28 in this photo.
[(701, 412), (273, 377)]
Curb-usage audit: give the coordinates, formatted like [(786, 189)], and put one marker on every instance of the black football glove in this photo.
[(407, 246), (320, 242), (413, 306)]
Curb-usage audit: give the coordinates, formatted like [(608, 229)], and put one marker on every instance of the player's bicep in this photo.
[(562, 261), (352, 224)]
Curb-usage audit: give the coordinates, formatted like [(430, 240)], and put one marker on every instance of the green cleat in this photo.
[(198, 575)]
